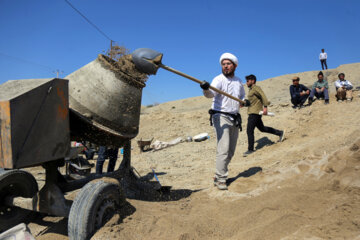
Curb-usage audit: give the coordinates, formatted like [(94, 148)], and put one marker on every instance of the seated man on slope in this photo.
[(298, 93), (320, 89), (343, 89)]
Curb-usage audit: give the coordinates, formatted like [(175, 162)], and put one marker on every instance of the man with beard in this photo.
[(224, 115), (258, 103)]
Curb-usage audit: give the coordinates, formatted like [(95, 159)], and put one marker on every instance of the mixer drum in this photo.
[(104, 103)]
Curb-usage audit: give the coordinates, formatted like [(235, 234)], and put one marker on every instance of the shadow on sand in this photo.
[(262, 142), (149, 188), (58, 225), (248, 173), (142, 188)]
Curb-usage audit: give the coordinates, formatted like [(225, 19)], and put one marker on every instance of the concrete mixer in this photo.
[(38, 120)]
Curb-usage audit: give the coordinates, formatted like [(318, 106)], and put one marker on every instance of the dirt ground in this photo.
[(307, 187)]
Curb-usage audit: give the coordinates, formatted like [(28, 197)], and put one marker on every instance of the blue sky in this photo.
[(270, 38)]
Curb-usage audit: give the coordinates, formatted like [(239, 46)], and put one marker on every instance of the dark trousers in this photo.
[(299, 100), (254, 120), (324, 94), (89, 154), (323, 62), (105, 152)]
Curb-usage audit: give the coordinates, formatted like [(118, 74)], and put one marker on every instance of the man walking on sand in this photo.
[(258, 103), (323, 58), (224, 115)]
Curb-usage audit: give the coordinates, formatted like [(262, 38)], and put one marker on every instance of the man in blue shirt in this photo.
[(298, 93)]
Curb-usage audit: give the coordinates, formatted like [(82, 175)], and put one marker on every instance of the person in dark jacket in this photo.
[(298, 93)]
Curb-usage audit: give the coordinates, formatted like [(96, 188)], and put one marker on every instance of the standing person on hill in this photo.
[(320, 89), (323, 58), (343, 89), (224, 115), (258, 102), (298, 93)]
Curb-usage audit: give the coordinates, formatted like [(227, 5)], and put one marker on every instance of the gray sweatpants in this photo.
[(226, 134)]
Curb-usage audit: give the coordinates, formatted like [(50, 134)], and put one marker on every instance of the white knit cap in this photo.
[(230, 57)]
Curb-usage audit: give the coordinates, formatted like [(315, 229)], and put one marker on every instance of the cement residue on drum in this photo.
[(125, 70), (120, 59), (125, 64)]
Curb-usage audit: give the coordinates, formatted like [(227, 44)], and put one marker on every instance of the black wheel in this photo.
[(93, 206), (15, 183)]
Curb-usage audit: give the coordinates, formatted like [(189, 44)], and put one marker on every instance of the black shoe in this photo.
[(247, 153), (282, 136), (326, 101), (310, 101)]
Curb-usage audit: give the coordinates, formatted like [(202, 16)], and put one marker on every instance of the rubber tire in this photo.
[(84, 218), (15, 183)]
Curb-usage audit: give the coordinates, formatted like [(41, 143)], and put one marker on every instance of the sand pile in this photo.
[(126, 65), (307, 187), (313, 199)]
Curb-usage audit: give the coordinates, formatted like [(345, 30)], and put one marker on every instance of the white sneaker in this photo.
[(221, 185)]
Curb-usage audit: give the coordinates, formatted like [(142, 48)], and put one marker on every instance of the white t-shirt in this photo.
[(346, 83), (232, 86), (323, 56)]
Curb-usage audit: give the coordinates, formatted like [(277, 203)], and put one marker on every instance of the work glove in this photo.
[(205, 85), (247, 103)]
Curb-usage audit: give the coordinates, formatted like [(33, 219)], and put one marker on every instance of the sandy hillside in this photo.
[(307, 187)]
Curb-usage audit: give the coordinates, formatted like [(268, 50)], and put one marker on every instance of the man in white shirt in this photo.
[(225, 115), (323, 57), (343, 89)]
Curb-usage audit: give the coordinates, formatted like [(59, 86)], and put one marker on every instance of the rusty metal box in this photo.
[(34, 122)]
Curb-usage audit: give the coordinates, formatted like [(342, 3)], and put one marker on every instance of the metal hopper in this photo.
[(34, 122)]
